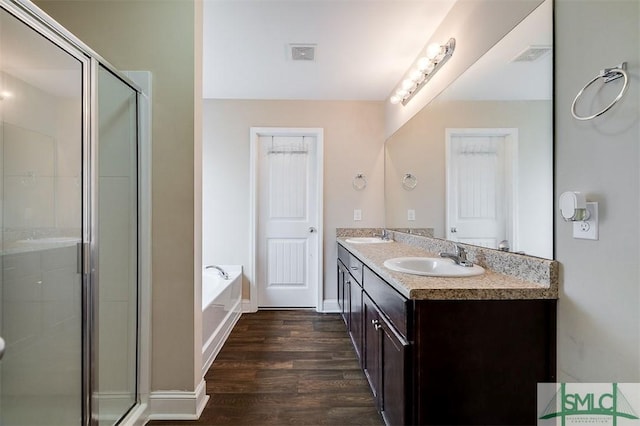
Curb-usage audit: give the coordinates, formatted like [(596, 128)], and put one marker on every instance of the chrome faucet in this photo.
[(221, 271), (459, 257), (384, 235)]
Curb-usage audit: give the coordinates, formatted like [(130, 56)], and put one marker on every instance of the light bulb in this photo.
[(430, 68), (395, 99), (408, 84), (402, 93), (433, 51), (423, 63), (416, 75)]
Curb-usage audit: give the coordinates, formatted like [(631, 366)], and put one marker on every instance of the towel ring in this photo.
[(359, 182), (608, 74), (409, 181)]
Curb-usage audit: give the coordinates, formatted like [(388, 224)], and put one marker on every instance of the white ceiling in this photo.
[(496, 77), (363, 48)]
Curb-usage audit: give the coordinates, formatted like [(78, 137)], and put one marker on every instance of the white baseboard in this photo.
[(330, 306), (178, 405), (246, 306)]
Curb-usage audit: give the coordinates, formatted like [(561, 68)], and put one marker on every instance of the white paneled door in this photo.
[(480, 168), (287, 243)]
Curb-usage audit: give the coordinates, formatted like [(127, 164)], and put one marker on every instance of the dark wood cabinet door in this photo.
[(355, 324), (341, 288), (396, 377), (372, 356)]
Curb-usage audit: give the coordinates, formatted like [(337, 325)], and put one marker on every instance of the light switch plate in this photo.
[(587, 229), (357, 214), (411, 214)]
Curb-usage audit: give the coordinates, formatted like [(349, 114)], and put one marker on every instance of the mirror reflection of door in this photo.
[(481, 182)]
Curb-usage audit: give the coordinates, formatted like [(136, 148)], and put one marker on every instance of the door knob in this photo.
[(312, 229)]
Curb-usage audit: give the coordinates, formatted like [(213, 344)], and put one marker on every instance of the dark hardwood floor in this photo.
[(287, 368)]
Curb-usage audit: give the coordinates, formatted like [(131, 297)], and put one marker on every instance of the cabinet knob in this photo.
[(376, 324)]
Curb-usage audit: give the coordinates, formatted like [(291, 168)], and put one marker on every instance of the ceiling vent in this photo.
[(532, 53), (303, 52)]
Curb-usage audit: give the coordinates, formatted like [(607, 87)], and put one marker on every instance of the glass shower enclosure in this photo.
[(69, 281)]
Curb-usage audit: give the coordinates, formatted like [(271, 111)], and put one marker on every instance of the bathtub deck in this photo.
[(287, 367)]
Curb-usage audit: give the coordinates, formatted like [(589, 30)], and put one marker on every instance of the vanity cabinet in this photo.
[(350, 296), (453, 361), (343, 294), (386, 365)]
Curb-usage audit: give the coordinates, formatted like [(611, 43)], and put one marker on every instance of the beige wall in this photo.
[(157, 36), (353, 143), (599, 320), (419, 148)]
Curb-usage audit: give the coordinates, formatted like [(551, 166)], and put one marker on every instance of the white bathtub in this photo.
[(221, 309)]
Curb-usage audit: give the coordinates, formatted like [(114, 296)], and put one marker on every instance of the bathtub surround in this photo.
[(221, 309)]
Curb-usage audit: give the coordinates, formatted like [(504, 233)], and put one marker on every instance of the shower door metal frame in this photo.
[(37, 20), (92, 248)]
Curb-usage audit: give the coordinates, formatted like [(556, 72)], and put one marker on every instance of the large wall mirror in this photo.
[(476, 163)]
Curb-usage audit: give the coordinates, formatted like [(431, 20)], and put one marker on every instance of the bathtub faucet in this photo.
[(221, 271)]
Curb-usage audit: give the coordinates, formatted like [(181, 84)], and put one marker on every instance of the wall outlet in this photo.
[(411, 214), (587, 229), (357, 214)]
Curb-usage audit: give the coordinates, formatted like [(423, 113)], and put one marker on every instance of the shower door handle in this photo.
[(83, 250), (1, 348)]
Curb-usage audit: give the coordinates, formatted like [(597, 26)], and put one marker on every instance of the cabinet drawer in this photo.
[(391, 303), (343, 255), (355, 268)]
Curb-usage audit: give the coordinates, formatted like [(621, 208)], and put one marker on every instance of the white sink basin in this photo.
[(432, 267), (366, 240)]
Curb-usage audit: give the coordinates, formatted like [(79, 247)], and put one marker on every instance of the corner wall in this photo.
[(353, 143), (599, 306)]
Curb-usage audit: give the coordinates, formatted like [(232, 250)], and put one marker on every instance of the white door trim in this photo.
[(511, 174), (255, 134)]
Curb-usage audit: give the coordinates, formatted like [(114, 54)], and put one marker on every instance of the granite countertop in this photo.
[(488, 286)]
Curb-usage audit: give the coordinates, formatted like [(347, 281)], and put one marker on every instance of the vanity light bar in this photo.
[(423, 70)]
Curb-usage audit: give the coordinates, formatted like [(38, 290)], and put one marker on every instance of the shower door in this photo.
[(42, 133), (69, 230), (115, 246)]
